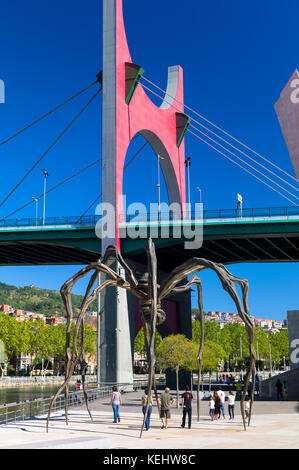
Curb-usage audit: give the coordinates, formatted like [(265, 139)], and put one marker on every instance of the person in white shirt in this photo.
[(212, 407), (247, 408), (221, 395), (115, 402), (231, 404)]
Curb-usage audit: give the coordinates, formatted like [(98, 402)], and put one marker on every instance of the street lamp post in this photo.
[(45, 184), (241, 355), (159, 186), (240, 203), (257, 351), (36, 208), (200, 198), (217, 361), (187, 164), (270, 356)]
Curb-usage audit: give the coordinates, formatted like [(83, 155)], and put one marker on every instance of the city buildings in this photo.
[(224, 318)]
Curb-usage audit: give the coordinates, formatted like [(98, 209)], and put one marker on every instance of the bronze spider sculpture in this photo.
[(150, 294)]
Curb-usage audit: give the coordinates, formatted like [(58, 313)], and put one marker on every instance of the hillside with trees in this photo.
[(32, 299)]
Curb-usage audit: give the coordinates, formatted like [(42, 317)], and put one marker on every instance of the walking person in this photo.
[(221, 395), (278, 386), (116, 402), (247, 407), (212, 407), (150, 408), (217, 400), (285, 390), (231, 405), (165, 401), (187, 398)]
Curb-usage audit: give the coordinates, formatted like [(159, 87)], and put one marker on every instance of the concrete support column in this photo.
[(115, 345), (293, 329)]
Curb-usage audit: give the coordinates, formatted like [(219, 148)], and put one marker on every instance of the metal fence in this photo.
[(91, 220), (13, 412)]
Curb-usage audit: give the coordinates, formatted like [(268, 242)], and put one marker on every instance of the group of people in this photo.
[(229, 379), (217, 405), (166, 401)]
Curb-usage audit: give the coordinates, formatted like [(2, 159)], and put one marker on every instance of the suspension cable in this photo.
[(53, 187), (92, 204), (191, 132), (51, 146), (129, 162), (163, 99), (48, 113), (209, 130), (220, 129), (248, 164)]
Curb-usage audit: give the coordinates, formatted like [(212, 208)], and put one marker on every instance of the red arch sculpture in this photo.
[(127, 110)]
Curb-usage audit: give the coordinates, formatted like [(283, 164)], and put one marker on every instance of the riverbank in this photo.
[(11, 382)]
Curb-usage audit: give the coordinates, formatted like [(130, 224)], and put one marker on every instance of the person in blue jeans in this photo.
[(116, 402), (150, 408), (221, 395)]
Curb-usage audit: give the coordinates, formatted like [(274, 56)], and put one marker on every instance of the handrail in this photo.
[(12, 412), (207, 214)]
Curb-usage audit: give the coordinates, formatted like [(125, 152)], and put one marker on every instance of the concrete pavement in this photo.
[(274, 425)]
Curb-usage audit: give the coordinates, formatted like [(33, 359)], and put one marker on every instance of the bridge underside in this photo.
[(170, 253), (226, 243), (226, 251), (37, 254)]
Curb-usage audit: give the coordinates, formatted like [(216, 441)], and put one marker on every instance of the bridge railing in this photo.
[(209, 214), (50, 221), (13, 412)]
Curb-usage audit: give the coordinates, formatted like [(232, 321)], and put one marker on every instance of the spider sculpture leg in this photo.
[(152, 291), (115, 280), (195, 281), (71, 359), (227, 280), (66, 295), (83, 367)]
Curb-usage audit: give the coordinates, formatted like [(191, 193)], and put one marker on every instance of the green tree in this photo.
[(175, 352), (15, 336), (139, 342), (279, 346), (212, 354)]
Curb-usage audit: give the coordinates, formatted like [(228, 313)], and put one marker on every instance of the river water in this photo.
[(14, 394)]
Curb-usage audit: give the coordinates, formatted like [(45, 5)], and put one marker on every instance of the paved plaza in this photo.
[(275, 425)]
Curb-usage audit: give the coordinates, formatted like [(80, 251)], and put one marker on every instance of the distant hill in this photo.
[(32, 299)]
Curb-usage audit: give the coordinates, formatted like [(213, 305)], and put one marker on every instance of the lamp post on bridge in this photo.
[(159, 187), (36, 208), (187, 164), (239, 204), (200, 198), (46, 174)]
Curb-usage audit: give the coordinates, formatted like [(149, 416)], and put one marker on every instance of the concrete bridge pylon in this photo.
[(126, 111)]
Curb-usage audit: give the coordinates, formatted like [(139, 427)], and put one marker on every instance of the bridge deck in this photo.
[(268, 235)]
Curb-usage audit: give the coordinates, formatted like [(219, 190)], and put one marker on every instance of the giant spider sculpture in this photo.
[(150, 294)]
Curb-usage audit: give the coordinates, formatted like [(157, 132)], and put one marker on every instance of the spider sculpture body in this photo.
[(150, 294)]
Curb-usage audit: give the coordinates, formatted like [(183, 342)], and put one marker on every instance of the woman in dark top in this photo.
[(217, 406)]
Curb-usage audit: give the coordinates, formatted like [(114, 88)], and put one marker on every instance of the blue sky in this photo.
[(237, 57)]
